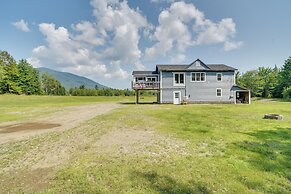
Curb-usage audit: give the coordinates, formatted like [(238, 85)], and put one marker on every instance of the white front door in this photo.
[(177, 97)]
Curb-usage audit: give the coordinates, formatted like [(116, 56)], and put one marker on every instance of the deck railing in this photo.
[(146, 85)]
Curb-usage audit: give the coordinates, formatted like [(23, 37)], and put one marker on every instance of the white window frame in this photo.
[(191, 80), (174, 73), (220, 77), (180, 97), (220, 92), (151, 78), (137, 79)]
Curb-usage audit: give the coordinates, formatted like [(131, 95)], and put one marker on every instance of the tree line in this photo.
[(268, 82), (82, 91), (21, 78)]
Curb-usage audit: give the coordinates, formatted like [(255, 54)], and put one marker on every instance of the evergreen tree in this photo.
[(52, 86), (250, 80), (29, 80), (267, 81), (284, 78), (9, 74)]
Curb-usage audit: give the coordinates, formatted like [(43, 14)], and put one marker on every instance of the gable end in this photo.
[(198, 65)]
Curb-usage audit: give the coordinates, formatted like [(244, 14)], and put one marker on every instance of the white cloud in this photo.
[(110, 43), (222, 32), (21, 25), (120, 26), (100, 48), (34, 62), (88, 34), (173, 31), (63, 52), (228, 46), (120, 73), (174, 34)]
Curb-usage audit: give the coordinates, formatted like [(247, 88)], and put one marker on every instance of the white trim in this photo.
[(151, 77), (161, 84), (174, 84), (234, 75), (220, 92), (180, 97), (242, 91), (220, 77), (200, 76)]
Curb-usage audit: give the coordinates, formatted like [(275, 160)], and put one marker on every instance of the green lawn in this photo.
[(14, 107), (205, 149)]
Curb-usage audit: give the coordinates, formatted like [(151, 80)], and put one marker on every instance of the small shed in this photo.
[(241, 95)]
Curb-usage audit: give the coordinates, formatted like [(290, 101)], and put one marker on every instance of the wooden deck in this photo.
[(145, 85)]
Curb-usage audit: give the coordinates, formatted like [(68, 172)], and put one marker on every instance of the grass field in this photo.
[(153, 149), (14, 107)]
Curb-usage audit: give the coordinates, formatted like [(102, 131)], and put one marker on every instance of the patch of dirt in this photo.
[(139, 141), (21, 181), (65, 118), (26, 126)]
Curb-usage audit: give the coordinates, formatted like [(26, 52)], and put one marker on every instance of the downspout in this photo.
[(161, 84), (185, 85)]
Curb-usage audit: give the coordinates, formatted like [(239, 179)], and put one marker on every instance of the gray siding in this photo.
[(199, 91), (167, 87)]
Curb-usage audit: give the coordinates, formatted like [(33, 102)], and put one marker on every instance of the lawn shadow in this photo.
[(166, 184), (272, 151)]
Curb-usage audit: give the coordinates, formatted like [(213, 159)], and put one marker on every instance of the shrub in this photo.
[(287, 93)]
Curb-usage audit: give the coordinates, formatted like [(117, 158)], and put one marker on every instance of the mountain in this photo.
[(69, 80)]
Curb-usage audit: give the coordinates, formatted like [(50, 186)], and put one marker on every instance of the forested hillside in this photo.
[(69, 80)]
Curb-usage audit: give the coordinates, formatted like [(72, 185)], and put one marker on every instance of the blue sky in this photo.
[(106, 40)]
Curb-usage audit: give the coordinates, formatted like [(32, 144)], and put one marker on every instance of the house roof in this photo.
[(212, 67), (144, 73), (236, 87), (187, 67), (172, 67)]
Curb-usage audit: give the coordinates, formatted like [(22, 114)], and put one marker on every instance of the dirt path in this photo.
[(66, 118), (31, 165)]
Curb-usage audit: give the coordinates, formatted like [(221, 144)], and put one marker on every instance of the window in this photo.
[(140, 79), (197, 77), (218, 76), (179, 79), (151, 79), (218, 92)]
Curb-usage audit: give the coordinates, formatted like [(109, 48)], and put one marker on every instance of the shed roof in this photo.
[(236, 87)]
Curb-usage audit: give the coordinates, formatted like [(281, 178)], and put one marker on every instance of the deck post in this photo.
[(137, 96)]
